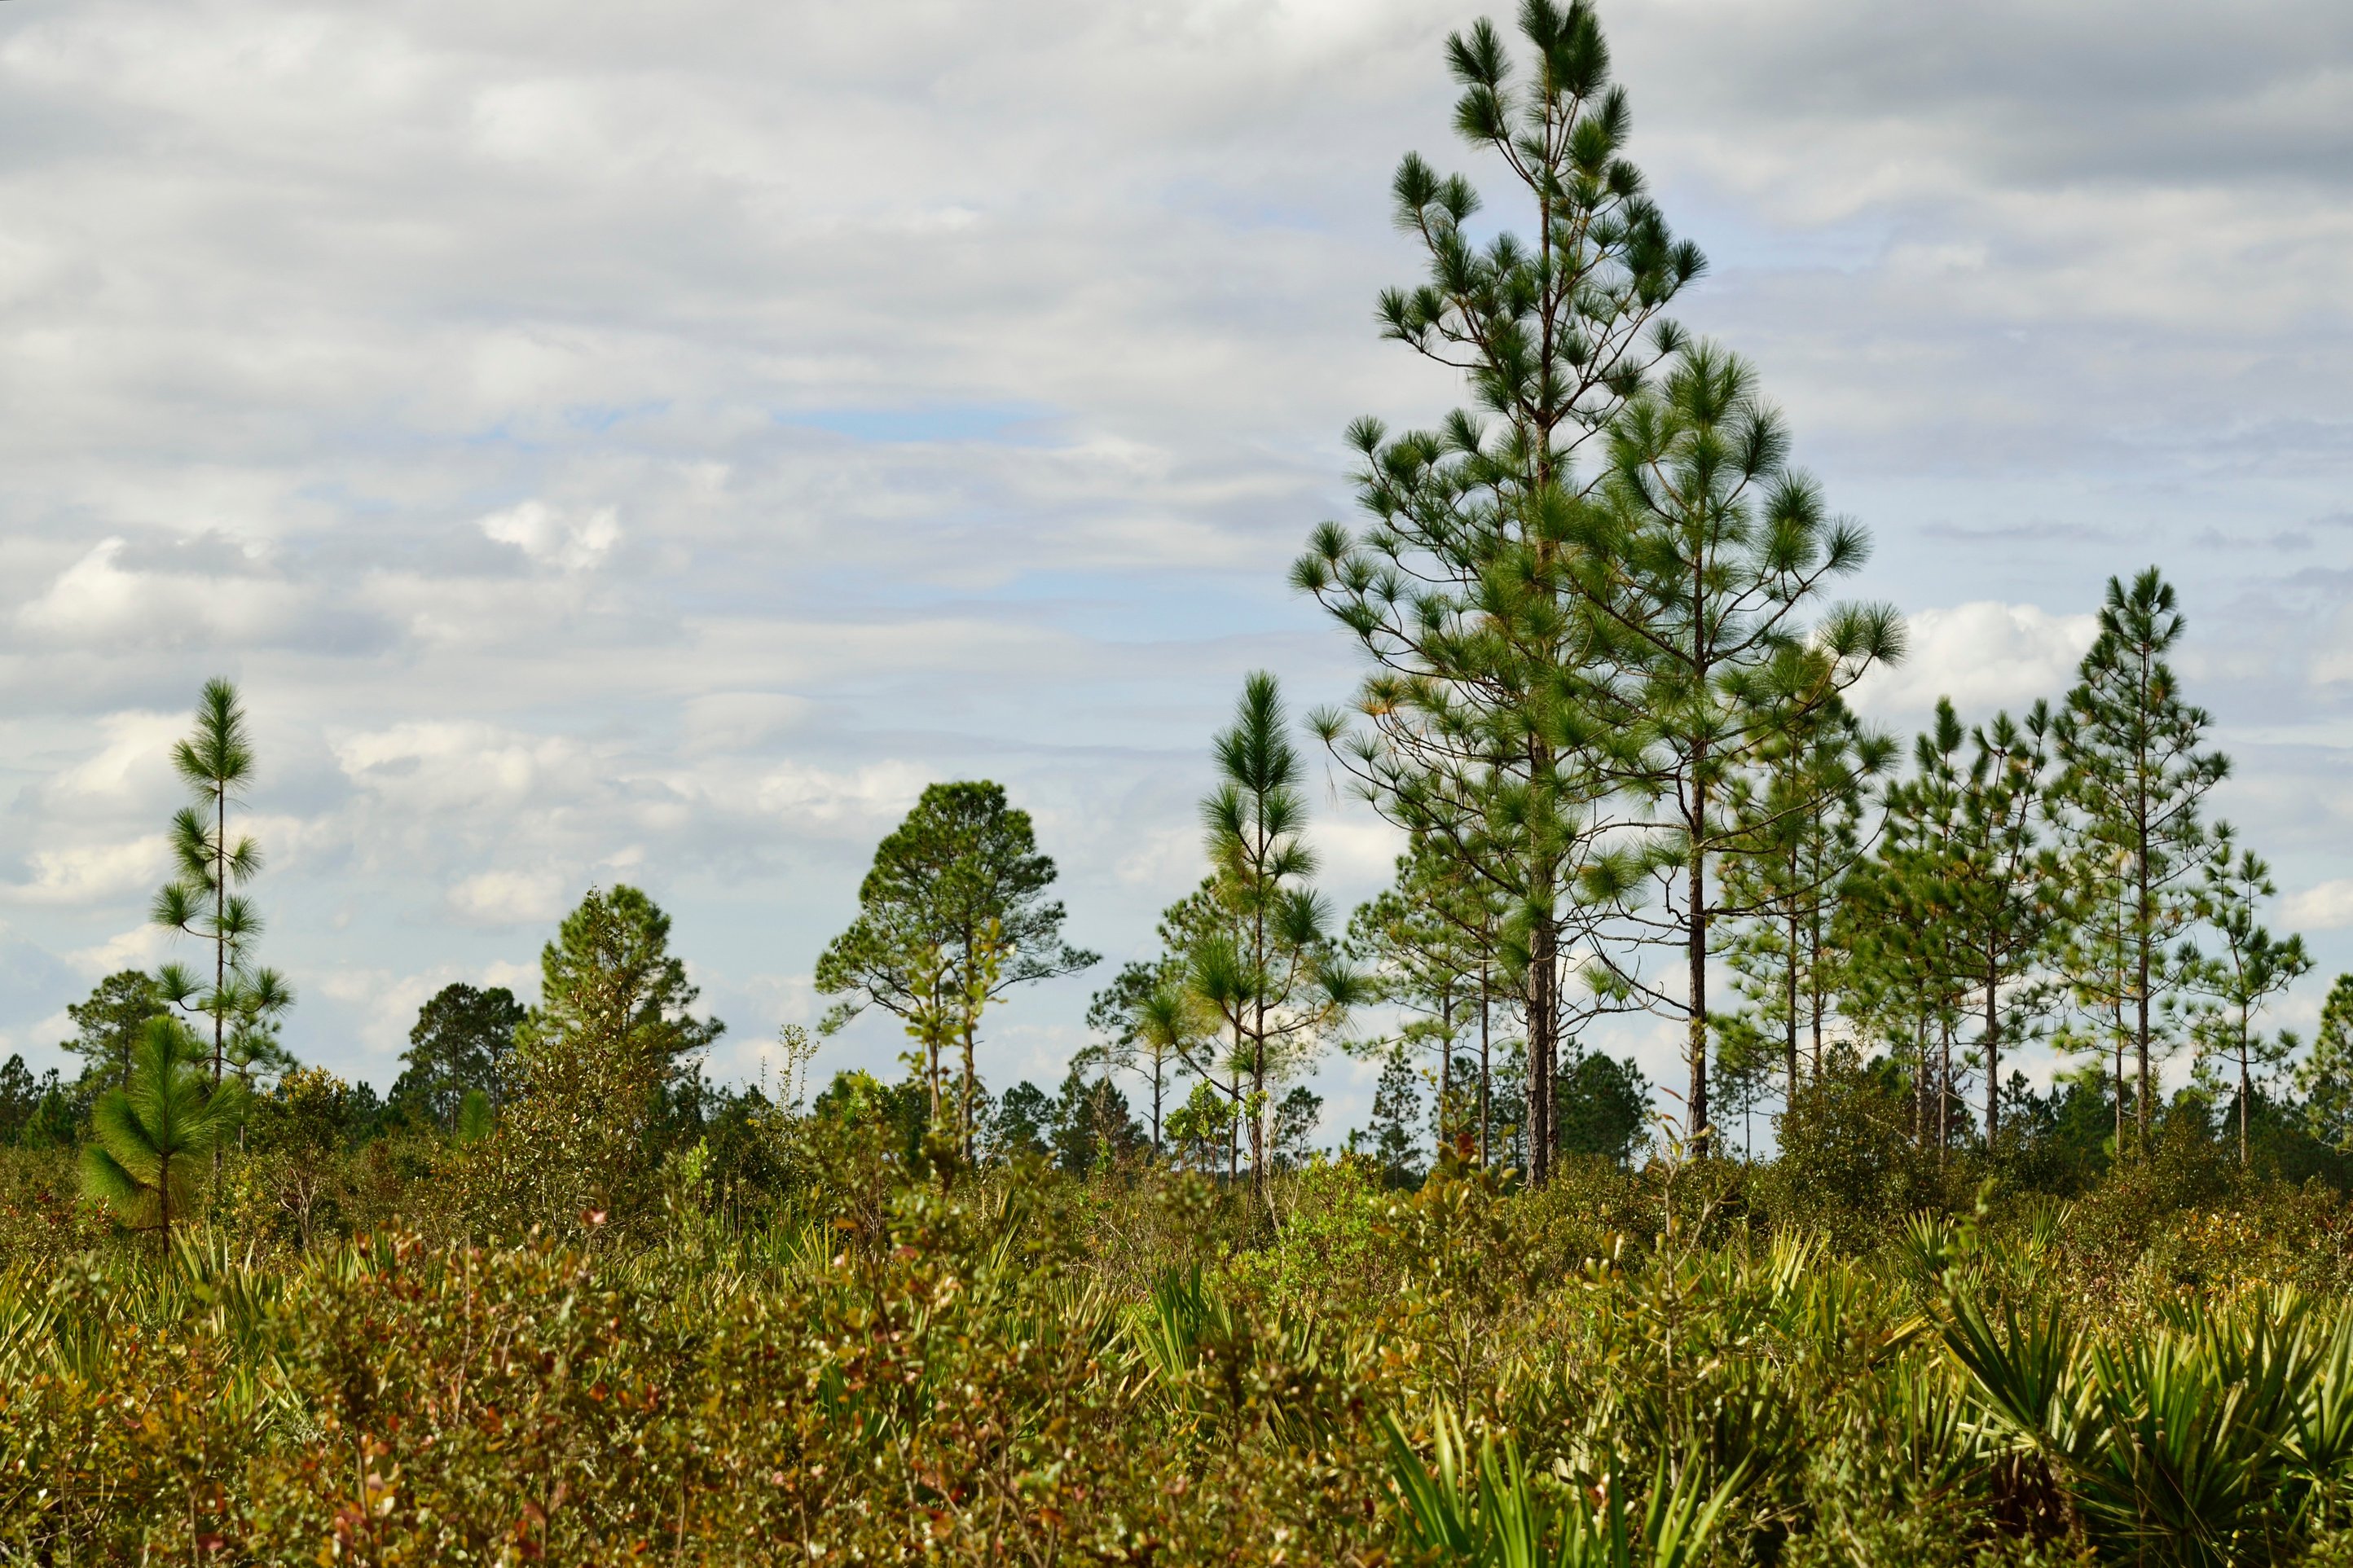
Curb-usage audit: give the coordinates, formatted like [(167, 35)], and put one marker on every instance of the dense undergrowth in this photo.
[(891, 1360)]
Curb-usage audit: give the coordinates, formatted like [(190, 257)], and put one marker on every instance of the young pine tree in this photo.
[(462, 1044), (20, 1097), (1907, 988), (154, 1138), (2135, 773), (1393, 1136), (1423, 943), (1270, 968), (2246, 968), (239, 1001), (2324, 1079), (1145, 1021), (109, 1023)]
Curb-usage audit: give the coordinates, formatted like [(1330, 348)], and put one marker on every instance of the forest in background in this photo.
[(553, 1295)]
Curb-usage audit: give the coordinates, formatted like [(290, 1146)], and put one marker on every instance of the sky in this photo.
[(648, 444)]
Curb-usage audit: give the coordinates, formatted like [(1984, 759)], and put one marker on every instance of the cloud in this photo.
[(97, 601), (574, 542), (666, 442), (1983, 656), (2327, 905), (141, 946), (90, 872), (509, 898)]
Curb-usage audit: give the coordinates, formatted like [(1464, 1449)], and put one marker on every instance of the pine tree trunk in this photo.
[(1944, 1088), (220, 919), (1919, 1087), (1993, 1055), (1445, 1061), (1543, 1025), (1258, 1035), (1234, 1094), (2145, 924), (964, 1109), (2245, 1089), (1487, 1154), (1793, 990), (2119, 1036), (1695, 1104)]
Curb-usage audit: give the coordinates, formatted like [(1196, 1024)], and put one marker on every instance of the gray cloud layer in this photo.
[(652, 443)]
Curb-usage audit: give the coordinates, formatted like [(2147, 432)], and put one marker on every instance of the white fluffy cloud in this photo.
[(573, 542), (1983, 656), (2326, 907), (95, 873)]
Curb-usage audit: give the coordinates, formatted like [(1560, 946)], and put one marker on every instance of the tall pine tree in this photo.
[(1458, 588), (1704, 568), (2136, 772)]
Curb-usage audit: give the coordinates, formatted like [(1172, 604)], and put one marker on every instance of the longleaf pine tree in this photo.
[(1804, 808), (1469, 730), (2243, 970), (1273, 972), (2324, 1079), (2136, 772), (154, 1137), (1427, 943), (2008, 897), (109, 1023), (1904, 982), (1146, 1022), (1704, 567), (241, 1000)]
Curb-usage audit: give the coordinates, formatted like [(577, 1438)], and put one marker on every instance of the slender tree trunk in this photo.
[(1234, 1093), (964, 1109), (1696, 1106), (2144, 923), (1919, 1087), (1696, 1103), (1544, 1015), (1445, 1061), (1944, 1088), (1994, 1053), (2245, 1089), (220, 935), (1544, 1024), (1791, 965), (2118, 1033), (1257, 1109), (1818, 1006), (2142, 1107), (1487, 1154)]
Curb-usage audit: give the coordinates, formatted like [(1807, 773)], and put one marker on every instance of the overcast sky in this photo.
[(649, 442)]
